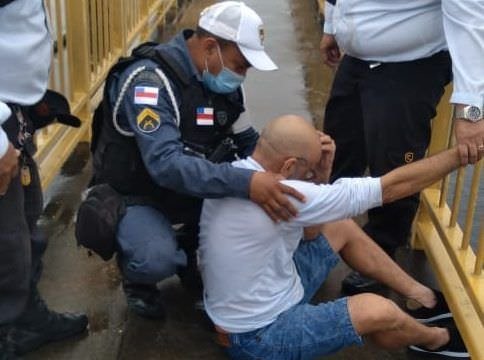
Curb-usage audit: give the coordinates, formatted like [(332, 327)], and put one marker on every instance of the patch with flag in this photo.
[(205, 116), (146, 95)]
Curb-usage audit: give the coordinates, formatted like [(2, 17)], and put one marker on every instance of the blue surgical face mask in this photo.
[(225, 82)]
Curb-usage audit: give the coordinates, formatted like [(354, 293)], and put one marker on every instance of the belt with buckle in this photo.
[(223, 338)]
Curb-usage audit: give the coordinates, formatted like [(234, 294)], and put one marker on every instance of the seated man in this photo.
[(259, 277)]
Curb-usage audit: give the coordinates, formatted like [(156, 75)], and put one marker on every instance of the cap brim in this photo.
[(258, 59)]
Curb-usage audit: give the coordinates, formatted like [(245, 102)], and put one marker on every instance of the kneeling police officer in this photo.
[(173, 115)]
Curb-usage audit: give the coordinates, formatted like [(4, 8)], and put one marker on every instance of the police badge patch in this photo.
[(148, 121)]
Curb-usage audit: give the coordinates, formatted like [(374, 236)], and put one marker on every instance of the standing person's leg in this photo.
[(148, 253), (14, 254), (343, 120), (37, 324), (398, 102), (14, 263)]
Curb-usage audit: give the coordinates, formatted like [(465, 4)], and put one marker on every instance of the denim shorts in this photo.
[(305, 331)]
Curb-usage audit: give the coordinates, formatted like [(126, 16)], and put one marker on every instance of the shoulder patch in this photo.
[(148, 121), (146, 95)]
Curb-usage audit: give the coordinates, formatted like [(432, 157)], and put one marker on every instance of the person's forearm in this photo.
[(412, 178)]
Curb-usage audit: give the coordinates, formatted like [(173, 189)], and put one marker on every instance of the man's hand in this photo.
[(270, 194), (330, 50), (8, 168), (328, 149), (472, 136)]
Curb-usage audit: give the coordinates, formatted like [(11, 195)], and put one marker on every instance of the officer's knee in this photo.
[(152, 266)]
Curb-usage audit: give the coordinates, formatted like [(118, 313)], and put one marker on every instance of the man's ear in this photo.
[(288, 168), (209, 45)]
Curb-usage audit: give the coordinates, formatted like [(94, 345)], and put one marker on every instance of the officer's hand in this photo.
[(270, 194), (472, 136), (8, 168), (330, 50)]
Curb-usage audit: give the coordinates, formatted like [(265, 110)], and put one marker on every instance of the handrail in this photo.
[(447, 244), (89, 35)]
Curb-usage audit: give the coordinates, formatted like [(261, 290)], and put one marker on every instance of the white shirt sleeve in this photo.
[(328, 18), (344, 199), (464, 31), (5, 113)]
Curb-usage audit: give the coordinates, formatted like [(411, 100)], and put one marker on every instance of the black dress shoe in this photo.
[(51, 326), (144, 300), (355, 283)]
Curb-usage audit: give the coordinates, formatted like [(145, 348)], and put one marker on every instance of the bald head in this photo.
[(288, 136)]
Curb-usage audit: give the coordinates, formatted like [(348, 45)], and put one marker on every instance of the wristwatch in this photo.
[(468, 112)]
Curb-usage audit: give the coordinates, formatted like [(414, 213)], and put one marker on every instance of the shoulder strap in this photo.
[(167, 64), (164, 60)]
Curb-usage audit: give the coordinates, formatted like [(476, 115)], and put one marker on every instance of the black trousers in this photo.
[(380, 118), (21, 243)]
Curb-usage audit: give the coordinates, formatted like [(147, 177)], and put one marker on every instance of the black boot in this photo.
[(144, 299), (38, 326), (6, 348)]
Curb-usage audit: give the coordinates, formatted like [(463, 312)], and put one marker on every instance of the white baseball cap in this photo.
[(235, 21)]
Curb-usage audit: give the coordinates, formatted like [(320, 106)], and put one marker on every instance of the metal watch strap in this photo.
[(461, 112)]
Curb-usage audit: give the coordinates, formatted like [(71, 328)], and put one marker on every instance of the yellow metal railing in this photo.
[(447, 244), (90, 35)]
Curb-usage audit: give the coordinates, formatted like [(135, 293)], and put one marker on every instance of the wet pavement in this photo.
[(75, 281)]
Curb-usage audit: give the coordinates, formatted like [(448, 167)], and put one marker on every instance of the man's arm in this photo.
[(169, 166), (412, 178), (465, 38), (328, 47), (349, 197)]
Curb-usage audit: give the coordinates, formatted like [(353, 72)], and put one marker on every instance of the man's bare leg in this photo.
[(385, 324), (362, 254)]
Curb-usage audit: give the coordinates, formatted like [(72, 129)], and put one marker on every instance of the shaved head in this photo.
[(285, 137)]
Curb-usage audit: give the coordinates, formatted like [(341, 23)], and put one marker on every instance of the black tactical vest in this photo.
[(117, 159)]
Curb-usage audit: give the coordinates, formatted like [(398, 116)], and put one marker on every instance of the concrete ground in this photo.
[(75, 281)]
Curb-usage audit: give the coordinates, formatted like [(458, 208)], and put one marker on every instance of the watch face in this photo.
[(473, 113)]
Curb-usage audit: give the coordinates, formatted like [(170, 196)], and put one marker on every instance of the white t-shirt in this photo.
[(403, 30), (246, 259)]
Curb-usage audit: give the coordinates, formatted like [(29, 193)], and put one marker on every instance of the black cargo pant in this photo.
[(379, 116), (21, 243)]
